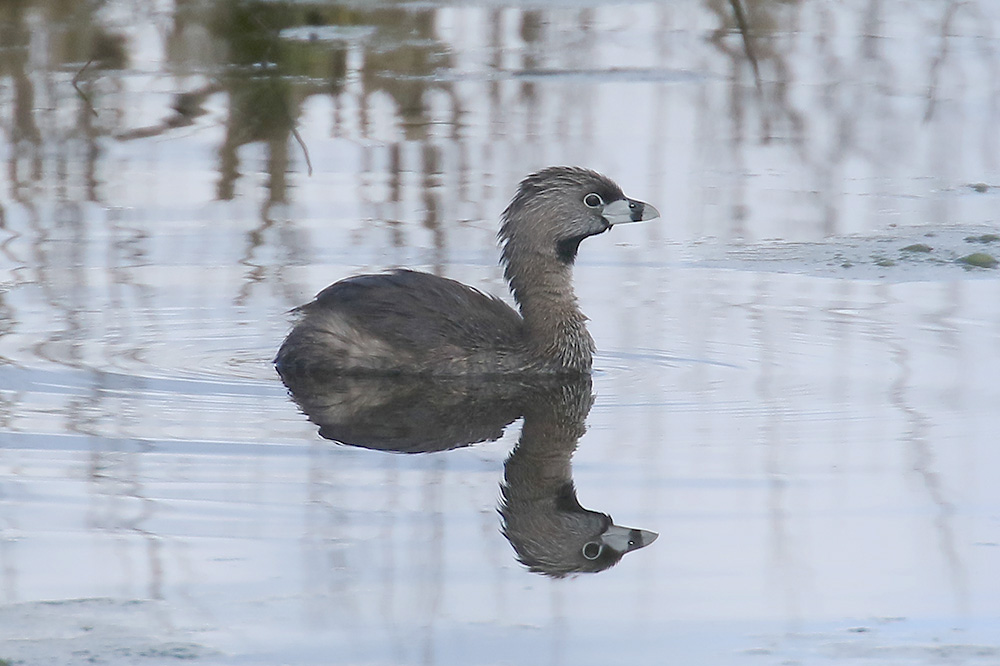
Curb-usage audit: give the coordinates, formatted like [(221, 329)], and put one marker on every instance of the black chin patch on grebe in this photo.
[(567, 248)]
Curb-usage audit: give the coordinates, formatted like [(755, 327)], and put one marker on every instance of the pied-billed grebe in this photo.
[(407, 322)]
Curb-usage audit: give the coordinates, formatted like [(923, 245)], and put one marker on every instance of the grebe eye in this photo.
[(593, 200)]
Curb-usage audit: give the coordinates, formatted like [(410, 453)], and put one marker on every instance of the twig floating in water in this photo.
[(305, 151), (79, 91)]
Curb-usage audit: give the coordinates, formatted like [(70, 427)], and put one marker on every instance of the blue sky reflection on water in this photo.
[(802, 408)]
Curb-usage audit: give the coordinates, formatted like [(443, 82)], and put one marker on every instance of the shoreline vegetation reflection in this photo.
[(422, 101)]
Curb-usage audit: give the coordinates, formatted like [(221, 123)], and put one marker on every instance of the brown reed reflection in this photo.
[(550, 531)]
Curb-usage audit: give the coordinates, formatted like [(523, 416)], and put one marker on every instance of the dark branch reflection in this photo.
[(550, 531)]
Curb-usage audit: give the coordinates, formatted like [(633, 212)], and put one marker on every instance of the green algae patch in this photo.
[(984, 238), (917, 247), (979, 260), (882, 261)]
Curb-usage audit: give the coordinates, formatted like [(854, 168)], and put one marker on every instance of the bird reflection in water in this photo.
[(550, 531)]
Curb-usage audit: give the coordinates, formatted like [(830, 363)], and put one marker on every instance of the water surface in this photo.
[(800, 407)]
